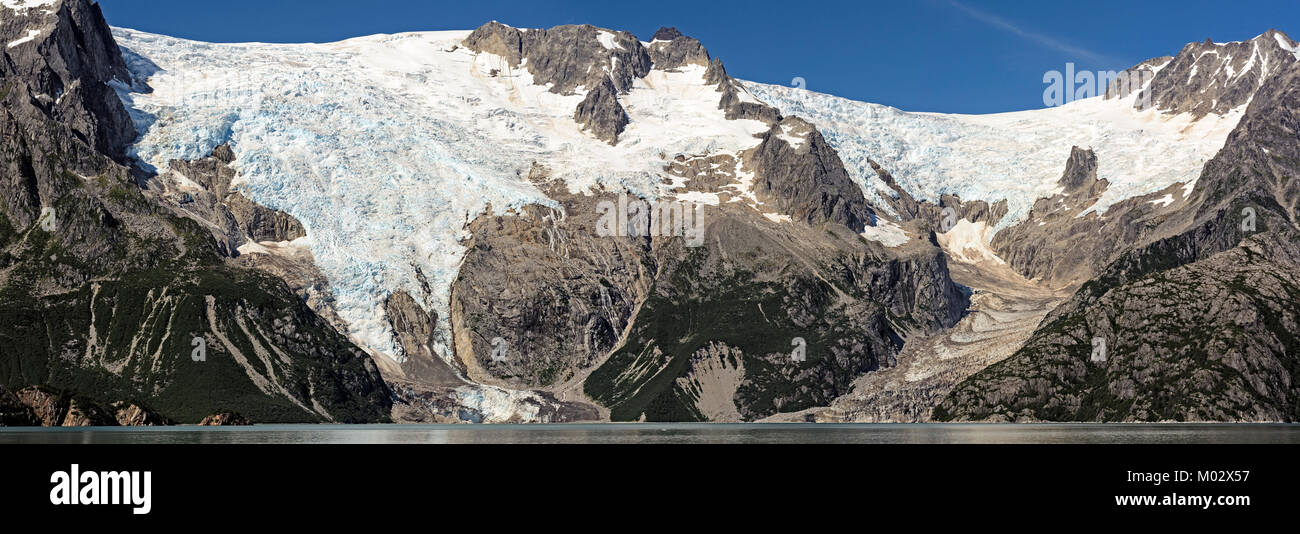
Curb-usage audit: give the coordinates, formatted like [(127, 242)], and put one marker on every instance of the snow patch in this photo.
[(31, 35), (795, 141), (886, 233), (1164, 201), (1294, 49), (607, 40)]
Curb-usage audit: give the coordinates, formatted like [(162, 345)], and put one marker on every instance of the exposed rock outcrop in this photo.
[(225, 419), (669, 49), (38, 406), (47, 407), (62, 58), (801, 174), (242, 219), (736, 101), (643, 307), (1197, 321), (416, 332), (128, 414), (542, 288), (1062, 242), (569, 57), (1209, 77), (601, 114), (82, 413)]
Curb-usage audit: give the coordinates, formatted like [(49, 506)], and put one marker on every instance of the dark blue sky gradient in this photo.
[(966, 56)]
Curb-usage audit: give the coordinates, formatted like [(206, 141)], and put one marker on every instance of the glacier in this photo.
[(1017, 156), (386, 146)]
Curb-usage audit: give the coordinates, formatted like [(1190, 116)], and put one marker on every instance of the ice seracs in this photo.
[(384, 147)]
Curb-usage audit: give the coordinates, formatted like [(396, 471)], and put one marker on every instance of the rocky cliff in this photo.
[(112, 291), (1197, 321)]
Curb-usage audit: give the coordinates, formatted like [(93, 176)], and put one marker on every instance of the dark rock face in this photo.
[(415, 331), (243, 219), (717, 333), (65, 70), (567, 56), (261, 223), (1133, 79), (933, 215), (670, 49), (808, 182), (623, 320), (1198, 319), (13, 412), (733, 103), (559, 296), (601, 114), (1080, 174), (1216, 78), (666, 33), (113, 295)]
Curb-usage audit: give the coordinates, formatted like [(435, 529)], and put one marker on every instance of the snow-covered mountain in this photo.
[(416, 228), (1018, 156), (386, 147)]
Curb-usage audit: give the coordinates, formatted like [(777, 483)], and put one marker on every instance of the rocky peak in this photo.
[(1209, 77), (1080, 169), (61, 55), (601, 114), (800, 173), (568, 57), (666, 33), (670, 49)]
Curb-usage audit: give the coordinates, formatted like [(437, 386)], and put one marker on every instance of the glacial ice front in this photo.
[(386, 146)]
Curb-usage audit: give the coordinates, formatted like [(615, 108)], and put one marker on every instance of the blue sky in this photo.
[(956, 56)]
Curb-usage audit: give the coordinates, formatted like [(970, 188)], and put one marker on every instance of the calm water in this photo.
[(669, 433)]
